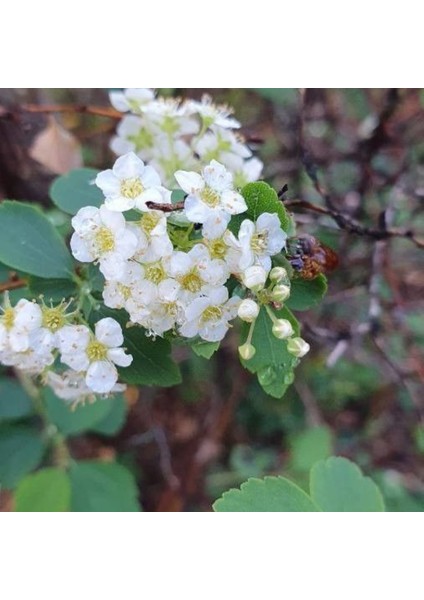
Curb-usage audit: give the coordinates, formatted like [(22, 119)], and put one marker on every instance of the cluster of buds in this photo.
[(274, 294)]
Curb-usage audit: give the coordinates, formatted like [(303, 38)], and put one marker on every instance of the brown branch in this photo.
[(351, 226), (165, 207), (99, 111), (12, 285)]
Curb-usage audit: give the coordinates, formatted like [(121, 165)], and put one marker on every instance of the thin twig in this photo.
[(12, 285), (99, 111)]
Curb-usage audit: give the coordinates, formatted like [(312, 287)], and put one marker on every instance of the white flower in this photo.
[(153, 240), (170, 155), (71, 386), (221, 145), (116, 294), (96, 355), (172, 117), (209, 315), (248, 310), (298, 347), (38, 355), (261, 240), (102, 235), (16, 325), (280, 293), (133, 99), (244, 171), (254, 277), (220, 242), (164, 313), (196, 272), (213, 114), (131, 184), (134, 134), (210, 193)]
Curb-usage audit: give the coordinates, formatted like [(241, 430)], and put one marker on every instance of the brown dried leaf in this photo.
[(56, 149)]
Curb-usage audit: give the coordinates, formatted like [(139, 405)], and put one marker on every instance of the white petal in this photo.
[(189, 329), (218, 296), (189, 181), (112, 220), (118, 356), (28, 315), (73, 338), (150, 177), (128, 166), (118, 101), (18, 340), (233, 202), (196, 308), (126, 243), (216, 225), (217, 177), (108, 183), (214, 332), (76, 360), (84, 214), (196, 211), (80, 250), (109, 332), (101, 376), (113, 266), (120, 204)]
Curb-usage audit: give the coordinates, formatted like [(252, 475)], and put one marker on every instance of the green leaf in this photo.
[(114, 420), (49, 490), (272, 494), (152, 363), (52, 289), (21, 451), (311, 446), (30, 243), (305, 294), (260, 198), (338, 485), (103, 487), (75, 190), (82, 418), (270, 351), (14, 401), (205, 349)]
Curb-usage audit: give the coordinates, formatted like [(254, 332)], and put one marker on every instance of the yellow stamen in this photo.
[(259, 242), (104, 240), (96, 351), (8, 317), (53, 318), (191, 281), (131, 188), (155, 272), (210, 197), (212, 313)]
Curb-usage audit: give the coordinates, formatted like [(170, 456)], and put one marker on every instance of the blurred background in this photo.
[(353, 162)]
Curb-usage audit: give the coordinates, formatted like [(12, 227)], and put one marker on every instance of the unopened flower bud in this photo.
[(254, 278), (247, 351), (278, 274), (282, 329), (248, 310), (280, 293), (298, 347)]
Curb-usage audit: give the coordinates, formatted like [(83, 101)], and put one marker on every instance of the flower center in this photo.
[(9, 317), (96, 351), (210, 197), (143, 139), (53, 318), (217, 248), (212, 313), (131, 188), (259, 242), (191, 281), (149, 221), (104, 240), (124, 290), (171, 309), (155, 273)]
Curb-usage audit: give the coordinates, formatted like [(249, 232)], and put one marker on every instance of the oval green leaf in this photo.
[(338, 485), (30, 243), (103, 487), (14, 401), (75, 190), (21, 451), (49, 490), (272, 494)]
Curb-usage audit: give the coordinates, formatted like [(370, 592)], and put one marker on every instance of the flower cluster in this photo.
[(171, 134), (34, 336), (171, 274)]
